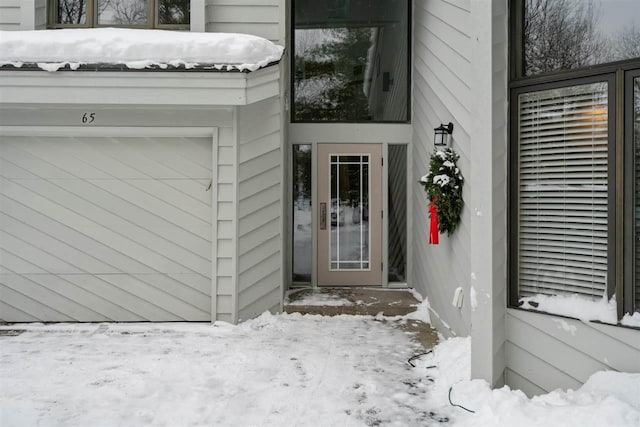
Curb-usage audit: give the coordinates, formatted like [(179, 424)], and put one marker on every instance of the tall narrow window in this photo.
[(397, 209), (350, 60), (302, 231), (563, 191)]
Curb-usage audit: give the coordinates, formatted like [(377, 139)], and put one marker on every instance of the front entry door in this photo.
[(349, 214)]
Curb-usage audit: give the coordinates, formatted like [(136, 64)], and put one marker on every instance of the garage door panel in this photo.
[(10, 263), (193, 197), (34, 255), (59, 295), (129, 295), (121, 211), (150, 291), (128, 151), (196, 281), (98, 229), (181, 287), (195, 151), (71, 237), (194, 191), (169, 211), (98, 222), (58, 158), (9, 170), (97, 153), (34, 305), (8, 312), (84, 262), (169, 153), (20, 157)]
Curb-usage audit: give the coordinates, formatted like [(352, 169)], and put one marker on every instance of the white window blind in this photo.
[(562, 206)]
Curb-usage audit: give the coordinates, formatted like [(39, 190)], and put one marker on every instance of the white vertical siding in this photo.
[(10, 15), (260, 206), (546, 352), (441, 93), (258, 17)]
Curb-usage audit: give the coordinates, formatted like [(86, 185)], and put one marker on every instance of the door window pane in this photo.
[(351, 60), (563, 191), (123, 12), (568, 34), (349, 237), (397, 213), (302, 231)]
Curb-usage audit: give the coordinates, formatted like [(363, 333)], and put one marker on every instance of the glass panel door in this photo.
[(349, 214)]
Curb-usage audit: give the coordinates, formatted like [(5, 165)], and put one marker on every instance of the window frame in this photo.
[(621, 158), (92, 18), (292, 74)]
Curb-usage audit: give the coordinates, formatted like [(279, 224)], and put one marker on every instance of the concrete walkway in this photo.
[(387, 303)]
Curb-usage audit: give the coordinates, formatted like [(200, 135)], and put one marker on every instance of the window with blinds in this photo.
[(562, 202)]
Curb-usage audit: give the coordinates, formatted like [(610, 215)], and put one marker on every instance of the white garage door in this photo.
[(97, 229)]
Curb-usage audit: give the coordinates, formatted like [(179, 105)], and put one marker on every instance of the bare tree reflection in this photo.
[(561, 34)]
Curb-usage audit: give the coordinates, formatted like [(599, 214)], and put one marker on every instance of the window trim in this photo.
[(292, 73), (513, 181), (629, 288), (92, 18), (619, 75)]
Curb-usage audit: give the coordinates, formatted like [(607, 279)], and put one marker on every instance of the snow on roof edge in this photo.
[(135, 49)]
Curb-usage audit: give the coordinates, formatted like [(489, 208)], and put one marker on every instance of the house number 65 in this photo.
[(88, 118)]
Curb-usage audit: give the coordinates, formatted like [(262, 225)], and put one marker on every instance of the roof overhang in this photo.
[(152, 87)]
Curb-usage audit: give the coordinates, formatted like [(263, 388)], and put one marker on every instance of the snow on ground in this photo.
[(136, 49), (274, 370)]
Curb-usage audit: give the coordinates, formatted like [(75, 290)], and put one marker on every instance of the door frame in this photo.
[(334, 133), (342, 277)]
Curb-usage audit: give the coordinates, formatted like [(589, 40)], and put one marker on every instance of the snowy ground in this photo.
[(285, 370)]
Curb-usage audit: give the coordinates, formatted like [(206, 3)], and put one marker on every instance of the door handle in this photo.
[(323, 216)]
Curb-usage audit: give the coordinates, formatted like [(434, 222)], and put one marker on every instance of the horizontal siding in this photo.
[(545, 352), (258, 17), (96, 229), (10, 15), (226, 235), (260, 245), (441, 93)]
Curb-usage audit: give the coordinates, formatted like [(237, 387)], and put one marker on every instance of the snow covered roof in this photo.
[(52, 50)]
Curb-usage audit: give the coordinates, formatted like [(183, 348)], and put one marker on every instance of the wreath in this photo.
[(443, 185)]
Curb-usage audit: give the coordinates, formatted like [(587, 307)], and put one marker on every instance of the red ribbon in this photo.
[(433, 224)]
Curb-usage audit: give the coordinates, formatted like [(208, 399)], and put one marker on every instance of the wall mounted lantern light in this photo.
[(442, 134)]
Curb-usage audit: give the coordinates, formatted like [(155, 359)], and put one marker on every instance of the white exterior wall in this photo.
[(264, 18), (10, 17), (260, 208), (442, 78), (460, 76), (23, 15), (545, 352)]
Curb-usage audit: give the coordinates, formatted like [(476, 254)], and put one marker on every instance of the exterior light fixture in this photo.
[(442, 134)]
